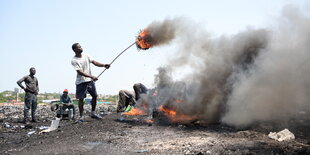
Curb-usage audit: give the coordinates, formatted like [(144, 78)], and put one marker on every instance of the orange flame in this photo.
[(144, 40), (174, 117), (134, 111), (167, 111), (149, 121)]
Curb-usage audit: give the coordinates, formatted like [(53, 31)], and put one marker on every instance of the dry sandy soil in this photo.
[(119, 134)]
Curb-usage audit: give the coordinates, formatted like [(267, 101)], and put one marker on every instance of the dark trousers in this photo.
[(30, 103), (63, 108)]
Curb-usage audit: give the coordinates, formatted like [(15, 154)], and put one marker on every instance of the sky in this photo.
[(38, 33)]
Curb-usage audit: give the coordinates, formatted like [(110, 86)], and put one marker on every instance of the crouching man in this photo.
[(127, 98), (65, 108)]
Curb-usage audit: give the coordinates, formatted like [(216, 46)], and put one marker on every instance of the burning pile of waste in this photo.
[(255, 75)]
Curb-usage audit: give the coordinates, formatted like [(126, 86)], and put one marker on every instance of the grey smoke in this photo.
[(163, 32), (255, 75), (277, 87)]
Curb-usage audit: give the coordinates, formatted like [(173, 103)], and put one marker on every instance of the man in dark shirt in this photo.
[(66, 106), (139, 89), (31, 92)]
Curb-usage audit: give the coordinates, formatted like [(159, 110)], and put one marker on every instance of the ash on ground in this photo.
[(121, 134)]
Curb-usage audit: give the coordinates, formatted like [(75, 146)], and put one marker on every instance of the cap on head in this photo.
[(66, 91)]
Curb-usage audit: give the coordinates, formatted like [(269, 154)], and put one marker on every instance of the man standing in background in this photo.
[(31, 92), (84, 79)]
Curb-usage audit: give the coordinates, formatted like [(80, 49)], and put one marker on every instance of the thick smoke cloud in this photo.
[(163, 32), (255, 75), (277, 87)]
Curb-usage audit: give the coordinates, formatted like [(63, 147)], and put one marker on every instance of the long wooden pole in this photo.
[(117, 57)]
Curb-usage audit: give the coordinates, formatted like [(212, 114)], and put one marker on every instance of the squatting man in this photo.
[(129, 98)]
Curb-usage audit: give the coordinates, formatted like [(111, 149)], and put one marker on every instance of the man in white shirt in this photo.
[(85, 81)]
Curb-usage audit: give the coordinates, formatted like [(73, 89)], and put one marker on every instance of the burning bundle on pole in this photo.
[(149, 37), (158, 33), (144, 40)]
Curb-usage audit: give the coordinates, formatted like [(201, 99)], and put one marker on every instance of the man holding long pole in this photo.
[(85, 81)]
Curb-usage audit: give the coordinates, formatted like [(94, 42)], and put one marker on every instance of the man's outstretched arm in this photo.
[(96, 63)]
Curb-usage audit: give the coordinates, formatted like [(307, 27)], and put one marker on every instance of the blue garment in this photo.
[(65, 99)]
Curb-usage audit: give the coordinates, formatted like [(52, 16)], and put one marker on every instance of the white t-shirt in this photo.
[(82, 63)]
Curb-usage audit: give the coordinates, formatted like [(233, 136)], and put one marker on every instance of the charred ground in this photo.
[(119, 134)]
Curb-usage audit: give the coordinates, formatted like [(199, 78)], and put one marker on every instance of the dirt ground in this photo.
[(120, 134)]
